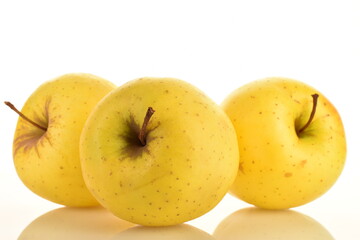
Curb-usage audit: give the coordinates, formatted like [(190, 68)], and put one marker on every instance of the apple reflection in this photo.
[(75, 223), (99, 224), (177, 232), (256, 224)]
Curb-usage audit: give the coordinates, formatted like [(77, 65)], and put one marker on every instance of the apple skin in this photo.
[(186, 167), (48, 163), (279, 168)]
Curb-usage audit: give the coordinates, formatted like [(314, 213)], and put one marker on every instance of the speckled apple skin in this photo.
[(187, 166), (48, 162), (279, 168)]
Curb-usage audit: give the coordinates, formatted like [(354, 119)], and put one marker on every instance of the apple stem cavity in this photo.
[(315, 100), (10, 105), (142, 133)]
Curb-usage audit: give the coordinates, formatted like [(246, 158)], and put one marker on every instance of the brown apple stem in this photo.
[(10, 105), (315, 99), (142, 133)]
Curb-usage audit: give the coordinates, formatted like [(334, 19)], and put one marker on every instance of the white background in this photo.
[(216, 45)]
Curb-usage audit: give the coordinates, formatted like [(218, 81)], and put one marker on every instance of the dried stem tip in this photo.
[(142, 133), (315, 100), (10, 105)]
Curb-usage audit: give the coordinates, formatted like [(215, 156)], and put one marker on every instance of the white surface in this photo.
[(215, 45)]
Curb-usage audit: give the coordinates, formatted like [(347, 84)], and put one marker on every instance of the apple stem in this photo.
[(10, 105), (315, 100), (147, 117)]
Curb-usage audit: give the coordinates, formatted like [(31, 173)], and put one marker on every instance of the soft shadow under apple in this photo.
[(75, 223), (177, 232), (260, 224)]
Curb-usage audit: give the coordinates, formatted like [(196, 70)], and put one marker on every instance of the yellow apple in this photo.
[(46, 146), (157, 151), (256, 223), (291, 141)]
